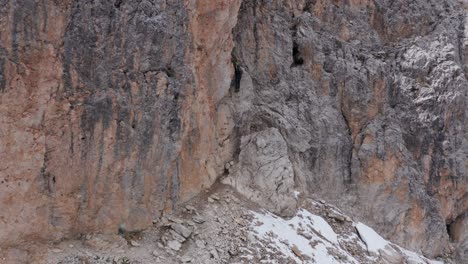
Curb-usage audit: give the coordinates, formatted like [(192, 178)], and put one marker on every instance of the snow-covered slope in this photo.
[(309, 238)]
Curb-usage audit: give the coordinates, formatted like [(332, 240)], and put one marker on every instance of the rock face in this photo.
[(264, 173), (108, 111), (113, 112), (370, 97), (234, 230)]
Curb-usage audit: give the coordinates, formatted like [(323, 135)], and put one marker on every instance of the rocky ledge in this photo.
[(222, 226)]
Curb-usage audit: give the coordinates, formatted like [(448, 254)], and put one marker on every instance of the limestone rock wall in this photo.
[(113, 112), (107, 111), (370, 97)]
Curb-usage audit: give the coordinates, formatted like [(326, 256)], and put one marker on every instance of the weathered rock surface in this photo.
[(234, 232), (107, 111), (370, 97), (264, 173), (113, 112)]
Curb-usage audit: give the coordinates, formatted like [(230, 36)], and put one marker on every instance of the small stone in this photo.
[(190, 208), (190, 223), (231, 162), (155, 253), (177, 237), (175, 220), (200, 243), (306, 235), (71, 246), (174, 245), (227, 166), (235, 199), (214, 254), (186, 259), (182, 230), (296, 251), (57, 250), (164, 222), (133, 243), (210, 200), (215, 197), (198, 219), (339, 218)]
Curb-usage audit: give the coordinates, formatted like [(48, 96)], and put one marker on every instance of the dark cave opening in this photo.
[(448, 227), (237, 77), (297, 58)]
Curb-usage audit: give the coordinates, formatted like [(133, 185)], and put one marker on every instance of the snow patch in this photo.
[(374, 241), (308, 238), (296, 194), (310, 234), (414, 258)]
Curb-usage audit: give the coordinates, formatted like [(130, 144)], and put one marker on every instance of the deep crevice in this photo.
[(449, 227), (236, 81), (237, 77), (297, 58)]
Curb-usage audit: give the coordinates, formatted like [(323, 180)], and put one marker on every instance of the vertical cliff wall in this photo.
[(370, 97), (113, 112), (108, 111)]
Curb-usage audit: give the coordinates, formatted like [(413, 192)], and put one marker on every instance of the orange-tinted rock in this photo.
[(112, 113), (108, 112)]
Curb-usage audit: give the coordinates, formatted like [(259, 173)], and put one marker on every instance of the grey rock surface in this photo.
[(247, 234), (115, 112), (264, 172), (371, 99)]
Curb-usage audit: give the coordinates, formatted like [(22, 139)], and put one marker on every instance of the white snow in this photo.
[(374, 241), (414, 258), (322, 227), (296, 194), (284, 234), (317, 240)]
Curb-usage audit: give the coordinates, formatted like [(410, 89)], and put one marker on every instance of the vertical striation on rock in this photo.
[(108, 111), (370, 97), (264, 173), (114, 112)]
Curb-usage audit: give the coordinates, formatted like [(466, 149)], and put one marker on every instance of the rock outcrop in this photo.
[(114, 112), (264, 173), (222, 226)]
